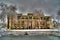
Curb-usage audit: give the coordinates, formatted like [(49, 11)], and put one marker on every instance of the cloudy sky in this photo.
[(48, 6)]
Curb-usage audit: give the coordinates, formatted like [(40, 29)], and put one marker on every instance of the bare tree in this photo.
[(58, 15), (7, 11), (3, 9), (38, 12), (12, 12)]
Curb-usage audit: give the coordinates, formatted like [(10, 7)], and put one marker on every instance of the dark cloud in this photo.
[(49, 6)]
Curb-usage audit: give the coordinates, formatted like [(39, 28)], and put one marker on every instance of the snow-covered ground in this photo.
[(37, 30)]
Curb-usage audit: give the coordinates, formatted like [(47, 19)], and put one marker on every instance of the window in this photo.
[(18, 17), (22, 17), (34, 18), (26, 17), (44, 18), (41, 18), (22, 21), (47, 18), (30, 17)]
